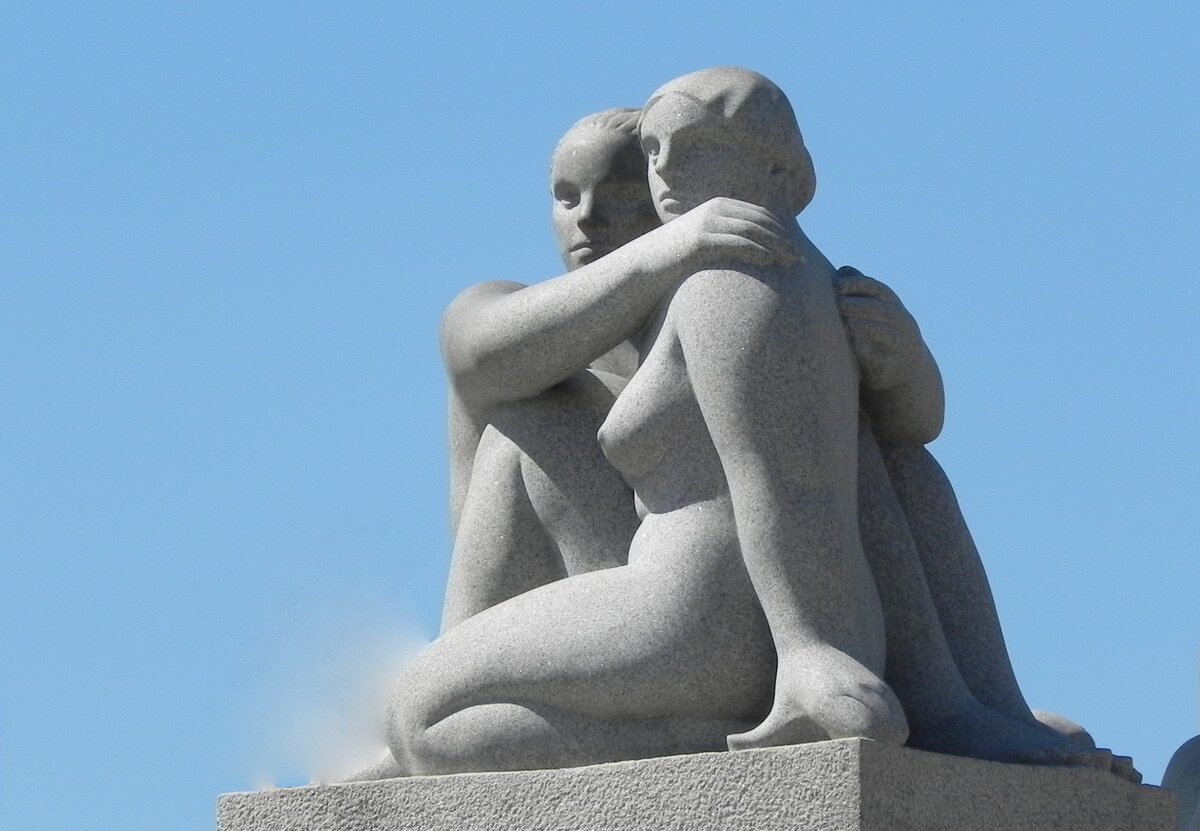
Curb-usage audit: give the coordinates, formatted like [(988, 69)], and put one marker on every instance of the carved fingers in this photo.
[(727, 232), (885, 337)]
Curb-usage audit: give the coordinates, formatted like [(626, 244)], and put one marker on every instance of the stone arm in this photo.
[(505, 341), (901, 383)]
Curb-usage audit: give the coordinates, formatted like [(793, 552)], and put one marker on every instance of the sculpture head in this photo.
[(598, 181), (724, 132)]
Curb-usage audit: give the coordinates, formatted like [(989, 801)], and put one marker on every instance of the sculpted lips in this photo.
[(669, 203), (590, 250), (670, 200)]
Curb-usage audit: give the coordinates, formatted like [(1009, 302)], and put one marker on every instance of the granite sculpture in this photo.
[(844, 785), (691, 502), (1183, 777)]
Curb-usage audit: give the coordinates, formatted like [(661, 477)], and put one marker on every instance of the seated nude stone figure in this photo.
[(526, 379), (691, 393)]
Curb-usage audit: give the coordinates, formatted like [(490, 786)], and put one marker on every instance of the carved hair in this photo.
[(760, 113), (622, 121)]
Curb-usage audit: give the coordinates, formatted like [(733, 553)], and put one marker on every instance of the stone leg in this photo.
[(501, 549), (648, 659), (543, 502), (956, 579), (944, 715)]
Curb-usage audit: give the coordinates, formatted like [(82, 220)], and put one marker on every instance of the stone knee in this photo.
[(411, 711)]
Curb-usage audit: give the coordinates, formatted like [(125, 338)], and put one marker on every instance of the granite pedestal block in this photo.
[(846, 785)]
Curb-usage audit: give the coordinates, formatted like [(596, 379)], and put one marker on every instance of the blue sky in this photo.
[(230, 228)]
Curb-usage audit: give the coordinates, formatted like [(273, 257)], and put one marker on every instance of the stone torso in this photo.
[(655, 433)]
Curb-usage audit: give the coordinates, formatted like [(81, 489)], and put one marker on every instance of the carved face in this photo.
[(601, 202), (694, 155)]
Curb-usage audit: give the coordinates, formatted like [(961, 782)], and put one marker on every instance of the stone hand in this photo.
[(726, 232), (885, 337)]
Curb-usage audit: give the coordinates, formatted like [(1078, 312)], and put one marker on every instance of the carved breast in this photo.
[(655, 434)]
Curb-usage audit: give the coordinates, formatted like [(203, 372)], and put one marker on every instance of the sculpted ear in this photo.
[(797, 181), (802, 181)]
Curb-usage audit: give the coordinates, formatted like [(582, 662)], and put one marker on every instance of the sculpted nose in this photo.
[(589, 212), (660, 159)]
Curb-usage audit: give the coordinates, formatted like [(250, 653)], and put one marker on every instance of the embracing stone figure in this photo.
[(743, 542)]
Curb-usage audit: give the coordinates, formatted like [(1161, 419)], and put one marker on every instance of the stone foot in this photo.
[(979, 732), (826, 695)]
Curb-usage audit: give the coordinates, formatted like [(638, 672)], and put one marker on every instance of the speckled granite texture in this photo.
[(844, 785), (1183, 777)]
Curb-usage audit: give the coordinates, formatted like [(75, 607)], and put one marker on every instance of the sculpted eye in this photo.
[(566, 195), (650, 146)]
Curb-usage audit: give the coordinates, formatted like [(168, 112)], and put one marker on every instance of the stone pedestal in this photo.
[(843, 785)]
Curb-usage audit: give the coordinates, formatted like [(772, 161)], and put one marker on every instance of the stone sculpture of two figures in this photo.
[(691, 503)]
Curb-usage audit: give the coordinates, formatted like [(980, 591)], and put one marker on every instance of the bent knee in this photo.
[(410, 713)]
